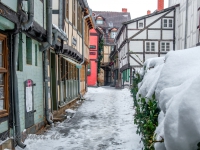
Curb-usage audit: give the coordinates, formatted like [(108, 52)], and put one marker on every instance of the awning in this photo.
[(79, 66)]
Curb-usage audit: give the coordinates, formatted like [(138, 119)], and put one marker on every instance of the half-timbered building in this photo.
[(152, 35), (187, 23), (109, 23)]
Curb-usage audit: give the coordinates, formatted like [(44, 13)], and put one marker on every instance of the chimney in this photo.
[(148, 12), (124, 9), (160, 5)]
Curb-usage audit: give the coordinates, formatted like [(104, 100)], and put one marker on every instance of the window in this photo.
[(89, 69), (67, 9), (113, 34), (79, 18), (20, 54), (112, 48), (99, 22), (74, 12), (165, 46), (167, 23), (36, 63), (28, 50), (140, 25), (3, 76), (150, 46)]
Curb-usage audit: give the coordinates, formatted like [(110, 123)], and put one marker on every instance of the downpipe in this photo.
[(45, 47), (83, 55), (29, 23), (15, 90)]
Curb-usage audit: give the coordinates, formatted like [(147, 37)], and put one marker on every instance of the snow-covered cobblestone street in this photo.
[(104, 121)]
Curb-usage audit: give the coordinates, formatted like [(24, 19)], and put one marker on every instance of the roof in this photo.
[(117, 18), (112, 20), (145, 16), (152, 14)]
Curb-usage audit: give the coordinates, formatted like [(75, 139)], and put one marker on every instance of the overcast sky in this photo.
[(137, 8)]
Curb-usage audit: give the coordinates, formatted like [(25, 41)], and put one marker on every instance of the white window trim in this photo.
[(168, 27), (98, 21), (113, 34), (165, 47), (150, 47)]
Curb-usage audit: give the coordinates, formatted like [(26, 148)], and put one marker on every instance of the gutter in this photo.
[(58, 33), (29, 23)]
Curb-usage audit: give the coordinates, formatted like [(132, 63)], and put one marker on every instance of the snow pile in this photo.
[(150, 79), (176, 84)]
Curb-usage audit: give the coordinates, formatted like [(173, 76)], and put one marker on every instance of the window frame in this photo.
[(99, 19), (67, 9), (29, 49), (163, 46), (5, 111), (112, 36), (139, 23), (74, 12), (150, 46), (166, 23)]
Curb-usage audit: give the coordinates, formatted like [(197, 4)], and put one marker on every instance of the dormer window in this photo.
[(99, 20), (113, 34)]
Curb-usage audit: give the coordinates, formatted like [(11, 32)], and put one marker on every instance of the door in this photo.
[(53, 81)]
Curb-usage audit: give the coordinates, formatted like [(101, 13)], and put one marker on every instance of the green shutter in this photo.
[(20, 54), (28, 50), (36, 63)]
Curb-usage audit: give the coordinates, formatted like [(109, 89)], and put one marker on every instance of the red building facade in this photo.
[(92, 69)]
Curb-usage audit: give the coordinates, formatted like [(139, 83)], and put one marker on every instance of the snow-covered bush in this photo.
[(146, 108), (176, 84)]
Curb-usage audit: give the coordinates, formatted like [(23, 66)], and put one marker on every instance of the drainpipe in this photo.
[(60, 14), (15, 90), (29, 23), (83, 50), (46, 46), (186, 25)]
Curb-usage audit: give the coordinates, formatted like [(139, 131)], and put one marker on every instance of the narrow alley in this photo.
[(104, 121)]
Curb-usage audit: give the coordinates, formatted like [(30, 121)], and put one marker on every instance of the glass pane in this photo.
[(1, 61), (1, 104), (1, 92), (1, 47), (1, 79)]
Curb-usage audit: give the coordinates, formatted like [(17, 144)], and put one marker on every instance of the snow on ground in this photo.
[(104, 121), (176, 85)]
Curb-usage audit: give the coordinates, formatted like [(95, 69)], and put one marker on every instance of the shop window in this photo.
[(3, 76)]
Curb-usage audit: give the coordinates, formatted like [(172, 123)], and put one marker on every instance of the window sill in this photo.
[(3, 113)]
